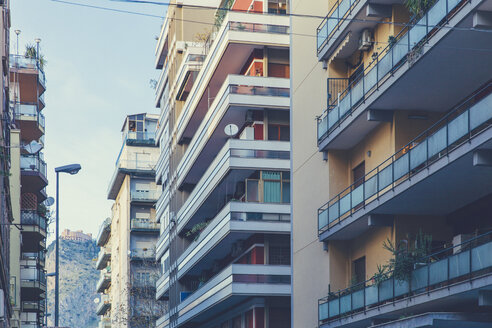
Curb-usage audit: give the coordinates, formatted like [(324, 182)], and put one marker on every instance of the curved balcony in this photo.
[(103, 258), (104, 305), (104, 281), (104, 232), (438, 162), (454, 275), (33, 172), (30, 120)]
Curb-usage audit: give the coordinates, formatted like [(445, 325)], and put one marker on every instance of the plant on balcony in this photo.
[(418, 7), (42, 210), (222, 12), (381, 275), (406, 255), (195, 231), (391, 41), (32, 53)]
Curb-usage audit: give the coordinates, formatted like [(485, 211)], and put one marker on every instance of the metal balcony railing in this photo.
[(452, 265), (142, 253), (464, 122), (144, 224), (142, 137), (33, 218), (33, 163), (26, 109), (389, 59), (20, 61)]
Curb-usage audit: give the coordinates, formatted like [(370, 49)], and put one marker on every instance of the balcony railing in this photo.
[(31, 110), (143, 137), (462, 124), (33, 218), (19, 61), (336, 16), (410, 38), (452, 265), (259, 91), (38, 256), (145, 195), (33, 275), (104, 232), (144, 224), (142, 253), (29, 306), (33, 163)]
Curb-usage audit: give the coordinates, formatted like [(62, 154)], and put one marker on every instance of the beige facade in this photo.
[(127, 240), (375, 177)]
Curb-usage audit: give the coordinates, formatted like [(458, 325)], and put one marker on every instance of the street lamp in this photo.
[(70, 169)]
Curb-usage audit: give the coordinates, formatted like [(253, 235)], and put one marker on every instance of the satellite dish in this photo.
[(231, 130), (33, 147), (49, 201), (97, 300)]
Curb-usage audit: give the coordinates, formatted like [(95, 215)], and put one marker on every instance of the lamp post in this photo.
[(70, 169), (17, 32)]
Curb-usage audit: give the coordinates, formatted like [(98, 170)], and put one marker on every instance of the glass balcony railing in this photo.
[(336, 16), (142, 137), (31, 110), (20, 61), (452, 265), (460, 125), (409, 39), (259, 91), (33, 163), (33, 275), (144, 224), (145, 195), (33, 218), (30, 306), (142, 253), (37, 256)]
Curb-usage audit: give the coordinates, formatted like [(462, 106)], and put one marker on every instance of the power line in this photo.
[(108, 9)]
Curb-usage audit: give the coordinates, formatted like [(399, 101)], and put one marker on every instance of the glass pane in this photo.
[(345, 204), (458, 127), (419, 278), (400, 49), (252, 191), (438, 271), (333, 117), (436, 13), (285, 192), (333, 212), (481, 257), (370, 79), (322, 127), (401, 166), (437, 142), (384, 66), (358, 299), (418, 32), (334, 307), (357, 92), (386, 290), (385, 176), (357, 196), (481, 112), (345, 304), (370, 187), (344, 105), (371, 295), (323, 219), (459, 264), (270, 175), (323, 311), (401, 287), (418, 155)]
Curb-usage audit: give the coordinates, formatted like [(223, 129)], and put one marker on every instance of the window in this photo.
[(268, 187), (278, 132), (279, 255), (277, 7), (358, 174)]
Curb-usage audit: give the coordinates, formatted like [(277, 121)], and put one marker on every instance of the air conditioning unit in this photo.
[(365, 41)]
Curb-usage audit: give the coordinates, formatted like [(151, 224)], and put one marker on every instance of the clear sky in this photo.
[(99, 65)]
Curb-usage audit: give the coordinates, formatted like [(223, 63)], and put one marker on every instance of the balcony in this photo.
[(145, 196), (33, 172), (25, 67), (162, 204), (30, 120), (38, 257), (235, 284), (33, 306), (238, 36), (104, 281), (236, 221), (238, 95), (124, 167), (407, 73), (454, 277), (235, 162), (147, 254), (162, 287), (104, 232), (162, 243), (144, 225), (33, 280), (140, 139), (103, 258), (438, 162), (32, 222), (104, 305)]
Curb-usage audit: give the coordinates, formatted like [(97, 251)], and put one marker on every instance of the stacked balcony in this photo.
[(34, 224), (104, 281), (103, 258), (105, 322), (104, 305)]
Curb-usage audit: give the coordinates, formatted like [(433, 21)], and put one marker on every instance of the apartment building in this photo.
[(5, 204), (224, 164), (128, 238), (28, 179), (392, 188)]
